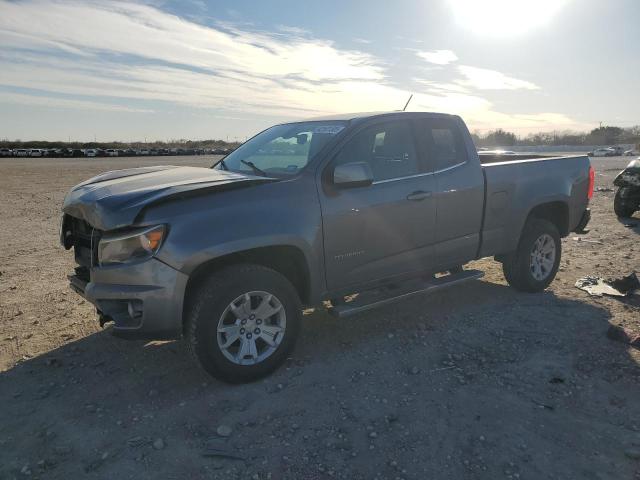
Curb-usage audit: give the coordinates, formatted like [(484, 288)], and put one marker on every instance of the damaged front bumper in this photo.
[(144, 300)]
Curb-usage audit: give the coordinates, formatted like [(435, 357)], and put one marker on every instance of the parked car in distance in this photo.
[(35, 152), (618, 150), (375, 204), (90, 152), (143, 151), (111, 152), (6, 152), (54, 152), (602, 152), (631, 153), (21, 152)]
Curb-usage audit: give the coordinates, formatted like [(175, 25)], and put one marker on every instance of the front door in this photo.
[(385, 229)]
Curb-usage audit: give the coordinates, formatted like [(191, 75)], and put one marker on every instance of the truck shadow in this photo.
[(98, 392)]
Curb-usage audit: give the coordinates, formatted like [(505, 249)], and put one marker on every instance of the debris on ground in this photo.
[(158, 444), (216, 448), (604, 189), (139, 441), (620, 287), (620, 334), (585, 240), (224, 431)]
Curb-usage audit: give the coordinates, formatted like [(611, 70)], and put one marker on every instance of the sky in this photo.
[(201, 69)]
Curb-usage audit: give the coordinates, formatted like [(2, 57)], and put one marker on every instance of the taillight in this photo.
[(592, 181)]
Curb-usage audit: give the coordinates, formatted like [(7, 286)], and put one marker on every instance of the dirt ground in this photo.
[(478, 382)]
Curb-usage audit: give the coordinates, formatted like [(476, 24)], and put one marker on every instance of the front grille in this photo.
[(83, 274), (85, 242)]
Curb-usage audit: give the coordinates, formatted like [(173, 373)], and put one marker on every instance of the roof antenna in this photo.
[(407, 104)]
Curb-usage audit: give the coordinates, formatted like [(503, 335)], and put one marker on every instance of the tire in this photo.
[(210, 313), (622, 209), (521, 270)]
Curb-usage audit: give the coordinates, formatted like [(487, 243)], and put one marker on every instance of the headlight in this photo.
[(126, 247)]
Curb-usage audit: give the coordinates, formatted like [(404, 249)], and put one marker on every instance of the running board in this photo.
[(371, 299)]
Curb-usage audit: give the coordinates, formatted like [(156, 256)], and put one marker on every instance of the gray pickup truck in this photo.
[(384, 206)]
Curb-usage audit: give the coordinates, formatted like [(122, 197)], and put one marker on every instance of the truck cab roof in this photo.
[(361, 116)]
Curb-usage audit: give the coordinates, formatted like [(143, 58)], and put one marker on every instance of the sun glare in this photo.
[(505, 17)]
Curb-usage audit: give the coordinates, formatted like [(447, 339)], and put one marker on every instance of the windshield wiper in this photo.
[(220, 162), (253, 167)]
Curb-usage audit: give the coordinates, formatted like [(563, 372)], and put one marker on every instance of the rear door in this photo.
[(458, 192), (385, 229)]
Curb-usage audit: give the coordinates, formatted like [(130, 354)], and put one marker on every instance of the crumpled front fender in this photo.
[(630, 176)]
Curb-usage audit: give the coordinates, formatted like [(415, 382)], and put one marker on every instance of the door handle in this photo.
[(419, 195)]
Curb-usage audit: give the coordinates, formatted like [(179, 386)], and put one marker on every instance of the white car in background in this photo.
[(35, 152), (631, 153), (6, 152), (111, 152), (91, 152), (602, 152), (21, 152), (618, 150)]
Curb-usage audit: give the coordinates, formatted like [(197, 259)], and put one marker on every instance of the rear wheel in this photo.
[(621, 208), (243, 322), (533, 266)]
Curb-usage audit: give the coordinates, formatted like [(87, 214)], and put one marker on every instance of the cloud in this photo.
[(438, 57), (144, 31), (523, 124), (120, 54), (441, 87), (53, 102), (484, 79), (126, 50)]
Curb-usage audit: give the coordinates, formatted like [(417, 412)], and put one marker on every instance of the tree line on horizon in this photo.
[(597, 136), (494, 138)]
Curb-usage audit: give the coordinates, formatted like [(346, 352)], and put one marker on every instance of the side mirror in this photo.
[(354, 174), (301, 138)]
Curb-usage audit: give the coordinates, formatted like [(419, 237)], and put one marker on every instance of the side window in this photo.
[(446, 146), (388, 148)]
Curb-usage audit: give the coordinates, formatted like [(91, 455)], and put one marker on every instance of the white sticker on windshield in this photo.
[(330, 129)]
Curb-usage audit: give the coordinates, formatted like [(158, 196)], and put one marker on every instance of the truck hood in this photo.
[(114, 199)]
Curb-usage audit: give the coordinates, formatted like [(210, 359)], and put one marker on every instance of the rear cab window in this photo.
[(443, 142)]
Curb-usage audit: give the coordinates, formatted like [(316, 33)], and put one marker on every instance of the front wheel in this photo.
[(533, 266), (621, 208), (242, 322)]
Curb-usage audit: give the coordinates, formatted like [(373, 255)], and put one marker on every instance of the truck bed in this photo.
[(513, 182)]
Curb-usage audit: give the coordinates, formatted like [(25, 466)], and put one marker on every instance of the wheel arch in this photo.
[(557, 212), (288, 260)]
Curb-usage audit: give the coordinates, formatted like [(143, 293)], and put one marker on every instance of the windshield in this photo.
[(281, 150)]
